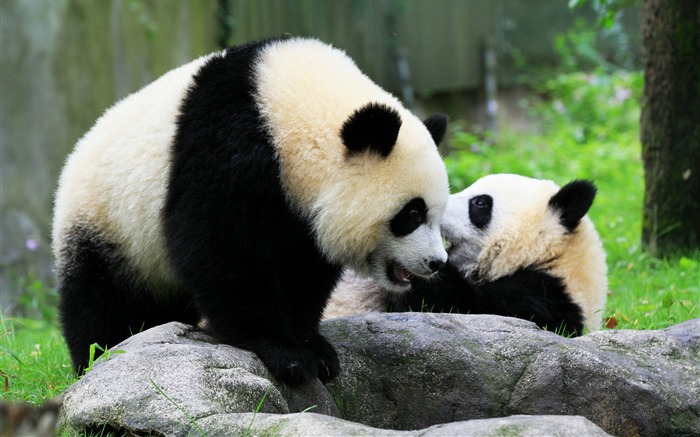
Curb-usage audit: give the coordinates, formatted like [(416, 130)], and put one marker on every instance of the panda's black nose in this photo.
[(435, 265)]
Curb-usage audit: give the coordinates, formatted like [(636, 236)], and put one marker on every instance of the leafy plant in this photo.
[(106, 355), (35, 299), (607, 10)]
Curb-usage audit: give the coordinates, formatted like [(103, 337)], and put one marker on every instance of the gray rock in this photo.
[(310, 424), (414, 370), (169, 376), (437, 373)]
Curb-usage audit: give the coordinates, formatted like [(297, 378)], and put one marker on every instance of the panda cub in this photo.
[(204, 195), (517, 247)]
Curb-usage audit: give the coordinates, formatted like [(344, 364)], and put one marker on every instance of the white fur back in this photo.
[(355, 294), (115, 179)]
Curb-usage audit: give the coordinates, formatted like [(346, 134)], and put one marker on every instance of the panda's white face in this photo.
[(501, 223), (413, 246), (354, 162)]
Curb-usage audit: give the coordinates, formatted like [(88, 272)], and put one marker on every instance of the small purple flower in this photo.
[(622, 94), (32, 245), (492, 106)]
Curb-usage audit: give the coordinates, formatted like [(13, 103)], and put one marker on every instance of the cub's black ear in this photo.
[(373, 127), (573, 202), (437, 126)]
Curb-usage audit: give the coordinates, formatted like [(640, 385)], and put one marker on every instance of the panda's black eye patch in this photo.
[(412, 215), (480, 209)]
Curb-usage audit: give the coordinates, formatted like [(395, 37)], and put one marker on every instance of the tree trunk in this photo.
[(670, 126)]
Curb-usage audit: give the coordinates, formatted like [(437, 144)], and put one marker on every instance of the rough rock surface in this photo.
[(310, 424), (172, 374), (405, 371)]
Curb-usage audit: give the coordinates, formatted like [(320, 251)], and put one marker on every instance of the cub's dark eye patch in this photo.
[(480, 209), (412, 215)]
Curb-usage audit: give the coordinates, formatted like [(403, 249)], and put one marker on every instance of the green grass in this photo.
[(34, 360)]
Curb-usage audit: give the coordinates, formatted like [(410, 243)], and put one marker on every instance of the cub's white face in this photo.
[(500, 223), (506, 222), (412, 246)]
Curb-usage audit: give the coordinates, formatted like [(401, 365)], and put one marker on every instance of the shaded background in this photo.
[(63, 62)]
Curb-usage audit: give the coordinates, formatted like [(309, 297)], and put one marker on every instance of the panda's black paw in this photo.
[(327, 358), (291, 365)]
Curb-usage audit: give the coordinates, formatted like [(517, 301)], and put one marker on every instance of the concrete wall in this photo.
[(63, 62)]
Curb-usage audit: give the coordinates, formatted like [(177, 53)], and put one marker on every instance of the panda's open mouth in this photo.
[(398, 274)]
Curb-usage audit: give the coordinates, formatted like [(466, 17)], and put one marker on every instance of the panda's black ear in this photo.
[(573, 201), (374, 127), (437, 126)]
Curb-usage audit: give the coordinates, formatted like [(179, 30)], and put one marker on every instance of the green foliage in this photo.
[(606, 10), (578, 49), (591, 108), (143, 16), (35, 300)]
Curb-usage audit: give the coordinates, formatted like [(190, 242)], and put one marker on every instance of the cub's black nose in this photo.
[(435, 265)]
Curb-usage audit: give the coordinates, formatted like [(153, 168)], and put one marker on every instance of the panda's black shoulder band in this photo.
[(374, 127)]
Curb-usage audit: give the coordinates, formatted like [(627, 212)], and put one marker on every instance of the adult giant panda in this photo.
[(207, 193), (518, 246)]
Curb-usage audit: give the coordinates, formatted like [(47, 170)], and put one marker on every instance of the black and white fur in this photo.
[(518, 246), (214, 192)]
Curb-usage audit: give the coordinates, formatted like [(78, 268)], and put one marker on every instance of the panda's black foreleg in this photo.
[(253, 312), (327, 361), (290, 363), (310, 294)]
